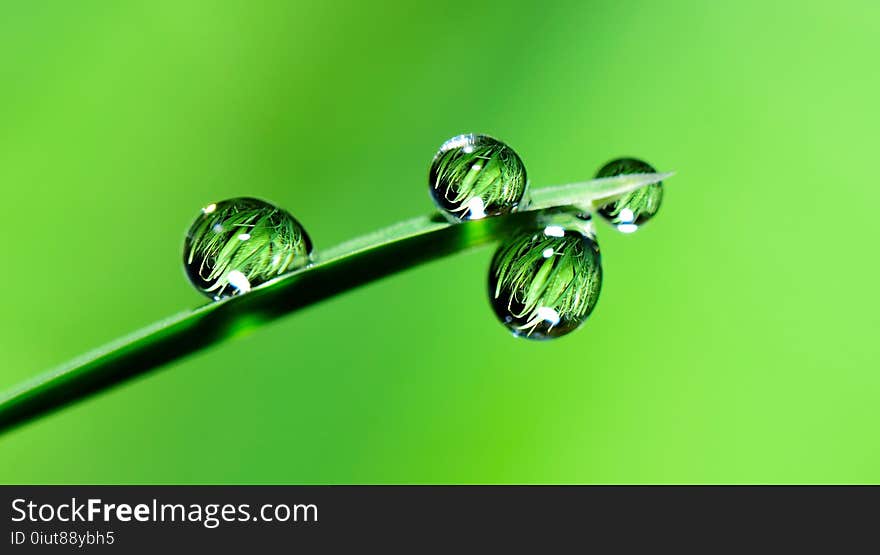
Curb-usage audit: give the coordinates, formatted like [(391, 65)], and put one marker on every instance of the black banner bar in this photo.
[(232, 519)]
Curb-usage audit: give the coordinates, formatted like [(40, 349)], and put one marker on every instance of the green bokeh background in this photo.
[(736, 338)]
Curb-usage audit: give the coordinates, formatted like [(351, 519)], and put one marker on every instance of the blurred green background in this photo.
[(736, 336)]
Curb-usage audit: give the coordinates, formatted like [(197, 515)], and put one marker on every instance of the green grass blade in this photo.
[(336, 270)]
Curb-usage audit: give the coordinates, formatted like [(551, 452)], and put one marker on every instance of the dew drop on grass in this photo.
[(476, 176), (544, 283), (240, 243), (629, 212)]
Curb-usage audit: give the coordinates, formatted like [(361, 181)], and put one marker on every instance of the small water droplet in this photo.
[(629, 212), (545, 283), (237, 244), (476, 176)]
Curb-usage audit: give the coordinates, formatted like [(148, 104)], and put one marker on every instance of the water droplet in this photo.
[(238, 244), (632, 210), (544, 283), (475, 176)]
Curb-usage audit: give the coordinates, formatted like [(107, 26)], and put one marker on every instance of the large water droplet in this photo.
[(238, 244), (632, 210), (476, 176), (545, 283)]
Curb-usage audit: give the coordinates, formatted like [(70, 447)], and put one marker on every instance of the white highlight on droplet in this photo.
[(477, 208), (468, 149), (239, 281), (554, 231), (476, 167), (244, 236), (208, 209), (627, 228), (217, 228), (548, 252), (627, 216), (548, 315)]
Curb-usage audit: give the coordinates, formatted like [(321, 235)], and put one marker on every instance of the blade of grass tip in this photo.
[(581, 193), (585, 192), (336, 270)]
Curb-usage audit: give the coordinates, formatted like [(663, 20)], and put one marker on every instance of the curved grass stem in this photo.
[(338, 269)]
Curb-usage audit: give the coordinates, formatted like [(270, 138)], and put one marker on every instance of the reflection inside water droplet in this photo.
[(545, 283), (630, 211), (476, 176), (238, 244)]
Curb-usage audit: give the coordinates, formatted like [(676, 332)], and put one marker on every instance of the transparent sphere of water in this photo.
[(630, 211), (476, 176), (240, 243), (544, 283)]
